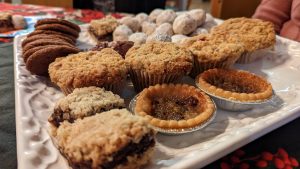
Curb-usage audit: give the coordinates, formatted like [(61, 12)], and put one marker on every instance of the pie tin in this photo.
[(233, 105), (132, 105)]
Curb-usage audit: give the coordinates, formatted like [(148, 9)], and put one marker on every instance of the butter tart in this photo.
[(236, 85), (178, 106)]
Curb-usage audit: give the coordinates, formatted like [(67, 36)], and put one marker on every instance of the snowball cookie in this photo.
[(148, 27), (199, 15), (131, 22), (199, 31), (164, 28), (19, 22), (159, 37), (153, 15), (122, 33), (209, 18), (184, 24), (180, 12), (209, 25), (138, 38), (142, 17), (178, 38), (167, 16)]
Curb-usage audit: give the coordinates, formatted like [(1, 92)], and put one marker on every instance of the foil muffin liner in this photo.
[(233, 105), (175, 131), (249, 57)]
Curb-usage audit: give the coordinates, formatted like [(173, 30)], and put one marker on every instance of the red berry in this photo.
[(282, 153), (278, 163), (267, 156), (288, 167), (294, 162), (261, 164), (239, 153), (244, 166), (287, 162), (235, 159), (225, 165)]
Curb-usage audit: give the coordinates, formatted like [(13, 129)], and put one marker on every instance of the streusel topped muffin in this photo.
[(102, 29), (83, 102), (157, 63), (104, 68)]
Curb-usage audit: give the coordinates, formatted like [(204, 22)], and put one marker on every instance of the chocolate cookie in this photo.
[(39, 61), (46, 36), (59, 28), (57, 21), (43, 42), (50, 32)]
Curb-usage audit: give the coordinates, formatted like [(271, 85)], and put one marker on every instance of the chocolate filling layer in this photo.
[(174, 108)]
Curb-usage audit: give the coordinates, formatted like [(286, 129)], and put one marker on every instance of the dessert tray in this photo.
[(35, 98)]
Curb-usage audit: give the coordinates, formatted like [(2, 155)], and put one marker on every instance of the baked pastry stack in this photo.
[(51, 39), (105, 68), (102, 29), (10, 22)]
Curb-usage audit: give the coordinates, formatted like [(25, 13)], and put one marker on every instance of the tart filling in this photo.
[(235, 85), (174, 106)]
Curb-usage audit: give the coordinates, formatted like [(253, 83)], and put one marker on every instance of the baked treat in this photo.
[(199, 15), (43, 42), (156, 63), (131, 22), (148, 27), (45, 36), (122, 33), (153, 15), (57, 21), (104, 68), (84, 102), (165, 28), (178, 38), (211, 53), (158, 37), (254, 34), (237, 85), (120, 46), (19, 22), (112, 139), (6, 22), (184, 24), (138, 38), (59, 28), (172, 106), (38, 62), (142, 17), (102, 29), (166, 16), (50, 32)]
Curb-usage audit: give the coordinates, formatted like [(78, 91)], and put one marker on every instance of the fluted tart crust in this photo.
[(237, 85), (170, 106)]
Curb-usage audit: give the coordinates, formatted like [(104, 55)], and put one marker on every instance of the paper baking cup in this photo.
[(115, 88), (175, 131), (143, 80), (200, 67), (249, 57)]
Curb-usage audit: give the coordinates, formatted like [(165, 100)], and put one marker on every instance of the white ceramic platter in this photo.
[(35, 98)]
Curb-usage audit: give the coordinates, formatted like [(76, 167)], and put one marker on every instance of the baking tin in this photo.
[(175, 131)]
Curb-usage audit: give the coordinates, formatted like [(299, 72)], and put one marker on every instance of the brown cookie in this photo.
[(43, 42), (49, 32), (39, 61), (46, 36), (59, 28), (58, 21)]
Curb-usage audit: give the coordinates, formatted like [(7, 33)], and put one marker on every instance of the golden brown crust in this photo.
[(253, 33), (103, 26), (204, 109), (235, 85), (93, 68), (160, 58)]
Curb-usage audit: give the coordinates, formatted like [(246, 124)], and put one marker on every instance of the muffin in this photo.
[(211, 53), (104, 68), (84, 102), (170, 106), (256, 35), (112, 139), (102, 29), (157, 62)]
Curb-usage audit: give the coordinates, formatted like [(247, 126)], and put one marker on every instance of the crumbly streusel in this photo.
[(160, 58), (104, 26)]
